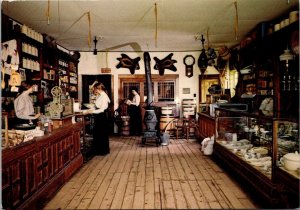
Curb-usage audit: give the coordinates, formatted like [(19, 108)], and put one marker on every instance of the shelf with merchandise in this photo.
[(268, 74)]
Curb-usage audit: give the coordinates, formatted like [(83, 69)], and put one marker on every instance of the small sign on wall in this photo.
[(186, 90), (106, 70)]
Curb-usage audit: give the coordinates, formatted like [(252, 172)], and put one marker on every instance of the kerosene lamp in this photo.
[(287, 57), (202, 60)]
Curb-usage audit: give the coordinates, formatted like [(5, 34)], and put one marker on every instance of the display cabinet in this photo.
[(265, 75), (67, 72), (86, 137), (63, 72), (40, 59), (251, 146), (49, 77), (73, 78), (287, 169)]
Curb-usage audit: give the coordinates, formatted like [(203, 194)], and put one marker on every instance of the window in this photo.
[(127, 87), (164, 89)]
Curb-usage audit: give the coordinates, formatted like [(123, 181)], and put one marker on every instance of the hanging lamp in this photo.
[(202, 60), (95, 42), (286, 56)]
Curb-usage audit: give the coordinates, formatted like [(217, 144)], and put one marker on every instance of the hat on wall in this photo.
[(224, 53)]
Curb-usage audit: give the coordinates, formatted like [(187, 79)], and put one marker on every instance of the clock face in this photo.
[(189, 60)]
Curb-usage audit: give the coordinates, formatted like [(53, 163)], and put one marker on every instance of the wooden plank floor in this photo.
[(132, 176)]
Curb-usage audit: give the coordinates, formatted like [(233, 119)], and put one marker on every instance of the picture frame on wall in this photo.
[(46, 89), (186, 90)]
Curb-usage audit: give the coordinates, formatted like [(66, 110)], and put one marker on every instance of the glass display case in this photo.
[(255, 148), (247, 137), (287, 169), (288, 158)]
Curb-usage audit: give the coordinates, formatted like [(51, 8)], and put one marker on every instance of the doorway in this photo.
[(87, 80)]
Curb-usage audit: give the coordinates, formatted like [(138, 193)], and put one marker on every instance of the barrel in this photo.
[(165, 121), (166, 110), (125, 126)]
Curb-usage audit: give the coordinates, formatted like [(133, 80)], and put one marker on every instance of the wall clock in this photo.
[(189, 62)]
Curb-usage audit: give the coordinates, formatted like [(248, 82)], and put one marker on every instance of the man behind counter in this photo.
[(23, 104)]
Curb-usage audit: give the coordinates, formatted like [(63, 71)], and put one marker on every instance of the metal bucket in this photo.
[(164, 139), (164, 136)]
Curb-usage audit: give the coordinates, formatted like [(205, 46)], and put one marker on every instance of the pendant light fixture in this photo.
[(286, 56), (287, 79), (95, 42), (202, 60)]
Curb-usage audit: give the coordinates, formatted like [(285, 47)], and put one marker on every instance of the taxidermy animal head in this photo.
[(127, 62), (166, 63)]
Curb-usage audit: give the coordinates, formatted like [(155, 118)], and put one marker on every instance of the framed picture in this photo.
[(204, 84), (10, 56), (186, 90), (46, 89)]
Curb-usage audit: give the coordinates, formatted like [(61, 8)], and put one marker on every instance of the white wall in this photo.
[(91, 64)]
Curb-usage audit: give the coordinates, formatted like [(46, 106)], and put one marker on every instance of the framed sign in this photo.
[(186, 90)]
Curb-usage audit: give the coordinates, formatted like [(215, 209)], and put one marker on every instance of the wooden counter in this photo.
[(289, 186), (33, 171), (206, 125)]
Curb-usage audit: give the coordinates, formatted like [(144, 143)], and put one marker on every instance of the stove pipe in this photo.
[(150, 117), (148, 78)]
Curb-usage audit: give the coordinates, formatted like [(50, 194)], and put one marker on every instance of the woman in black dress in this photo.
[(134, 111), (101, 125)]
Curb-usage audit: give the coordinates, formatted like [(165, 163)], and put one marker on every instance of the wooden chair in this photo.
[(184, 125), (180, 126), (191, 124)]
